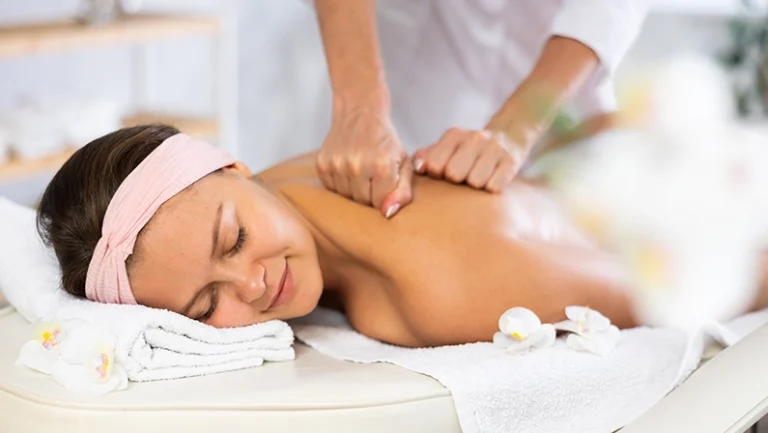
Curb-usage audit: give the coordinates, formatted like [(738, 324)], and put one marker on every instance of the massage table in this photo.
[(729, 393)]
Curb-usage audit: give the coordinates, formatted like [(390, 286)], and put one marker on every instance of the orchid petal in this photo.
[(601, 344), (567, 325), (519, 322), (86, 342), (87, 364), (520, 347), (80, 379), (544, 337), (589, 318), (502, 341), (33, 355)]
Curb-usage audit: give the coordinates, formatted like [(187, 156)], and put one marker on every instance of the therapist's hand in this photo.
[(483, 159), (363, 159)]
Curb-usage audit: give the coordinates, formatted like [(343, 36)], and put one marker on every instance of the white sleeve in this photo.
[(608, 27)]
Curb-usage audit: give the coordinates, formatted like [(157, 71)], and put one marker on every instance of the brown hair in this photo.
[(73, 205)]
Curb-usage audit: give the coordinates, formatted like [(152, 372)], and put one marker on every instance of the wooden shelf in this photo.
[(23, 168), (199, 127), (64, 35)]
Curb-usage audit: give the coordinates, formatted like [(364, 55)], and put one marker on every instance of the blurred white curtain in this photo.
[(284, 91)]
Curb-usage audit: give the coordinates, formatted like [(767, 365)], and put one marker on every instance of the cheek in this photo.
[(276, 231), (232, 312)]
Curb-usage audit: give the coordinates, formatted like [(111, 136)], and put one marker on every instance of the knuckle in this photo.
[(493, 187), (381, 166), (322, 161), (354, 166), (433, 169), (509, 165), (454, 131), (337, 165), (474, 180), (453, 174), (477, 141), (323, 167), (478, 136), (499, 145)]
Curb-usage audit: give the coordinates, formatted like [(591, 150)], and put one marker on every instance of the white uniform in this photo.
[(454, 62)]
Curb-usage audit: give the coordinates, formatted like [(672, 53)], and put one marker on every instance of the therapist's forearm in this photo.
[(563, 68), (350, 41)]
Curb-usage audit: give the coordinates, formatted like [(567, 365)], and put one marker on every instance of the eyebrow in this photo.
[(216, 224)]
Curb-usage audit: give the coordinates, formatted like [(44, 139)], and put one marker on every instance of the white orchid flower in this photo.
[(522, 331), (87, 363), (42, 352), (590, 330)]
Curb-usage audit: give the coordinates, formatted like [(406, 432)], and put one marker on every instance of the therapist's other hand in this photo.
[(480, 158), (363, 159)]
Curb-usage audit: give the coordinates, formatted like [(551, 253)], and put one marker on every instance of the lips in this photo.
[(276, 299)]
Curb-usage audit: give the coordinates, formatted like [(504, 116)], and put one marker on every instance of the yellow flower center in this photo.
[(104, 365), (48, 338), (519, 336)]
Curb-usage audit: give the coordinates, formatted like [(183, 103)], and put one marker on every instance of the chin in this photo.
[(307, 299)]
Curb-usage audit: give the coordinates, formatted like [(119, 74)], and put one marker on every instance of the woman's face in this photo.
[(229, 253)]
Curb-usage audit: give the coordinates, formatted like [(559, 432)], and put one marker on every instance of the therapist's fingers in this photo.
[(325, 171), (361, 190), (359, 178), (340, 177), (436, 157), (480, 174), (502, 176), (505, 171), (384, 179), (403, 193), (463, 159)]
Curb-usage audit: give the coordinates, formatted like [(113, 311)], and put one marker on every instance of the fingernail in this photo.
[(392, 209), (418, 163)]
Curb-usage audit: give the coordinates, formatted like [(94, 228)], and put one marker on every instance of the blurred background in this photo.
[(248, 74)]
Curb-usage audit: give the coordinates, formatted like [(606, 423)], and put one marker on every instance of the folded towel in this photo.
[(551, 390), (152, 344)]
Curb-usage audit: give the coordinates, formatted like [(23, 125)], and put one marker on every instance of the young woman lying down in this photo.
[(231, 249)]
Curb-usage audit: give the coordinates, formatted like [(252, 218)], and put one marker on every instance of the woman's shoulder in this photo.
[(301, 167)]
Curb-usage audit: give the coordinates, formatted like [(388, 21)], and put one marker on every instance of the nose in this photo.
[(249, 283)]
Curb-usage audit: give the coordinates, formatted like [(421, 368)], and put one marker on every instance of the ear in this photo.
[(239, 168)]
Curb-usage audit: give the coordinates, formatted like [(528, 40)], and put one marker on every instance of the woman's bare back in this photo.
[(444, 269)]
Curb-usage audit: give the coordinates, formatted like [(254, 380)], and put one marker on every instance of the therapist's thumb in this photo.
[(402, 195)]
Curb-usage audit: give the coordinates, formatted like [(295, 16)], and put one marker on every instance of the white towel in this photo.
[(151, 344), (552, 390), (155, 344)]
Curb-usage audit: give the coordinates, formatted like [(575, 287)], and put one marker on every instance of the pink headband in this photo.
[(177, 163)]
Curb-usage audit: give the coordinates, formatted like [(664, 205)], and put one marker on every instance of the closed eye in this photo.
[(212, 308), (242, 236)]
